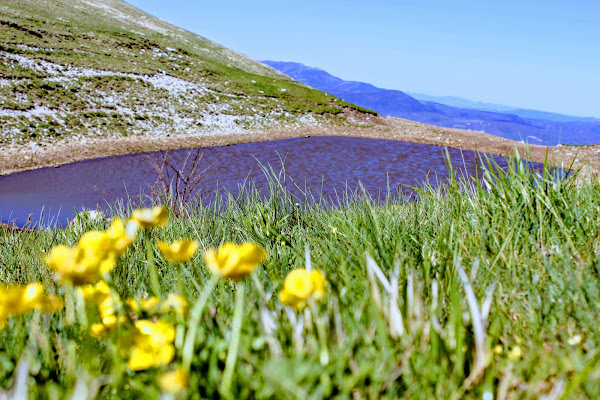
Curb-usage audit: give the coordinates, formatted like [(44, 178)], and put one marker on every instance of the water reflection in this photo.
[(326, 165)]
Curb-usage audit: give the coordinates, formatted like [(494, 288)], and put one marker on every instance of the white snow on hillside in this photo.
[(160, 81)]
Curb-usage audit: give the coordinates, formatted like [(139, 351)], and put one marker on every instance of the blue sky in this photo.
[(538, 54)]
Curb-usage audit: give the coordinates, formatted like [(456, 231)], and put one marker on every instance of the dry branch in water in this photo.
[(178, 184)]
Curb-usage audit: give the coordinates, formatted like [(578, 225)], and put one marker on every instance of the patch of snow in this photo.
[(6, 82), (61, 73), (35, 112)]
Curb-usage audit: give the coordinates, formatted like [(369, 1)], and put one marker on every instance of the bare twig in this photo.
[(178, 183)]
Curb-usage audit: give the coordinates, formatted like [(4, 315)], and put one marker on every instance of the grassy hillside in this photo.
[(79, 68), (466, 293)]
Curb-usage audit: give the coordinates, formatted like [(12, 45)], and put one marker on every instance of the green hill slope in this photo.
[(84, 68)]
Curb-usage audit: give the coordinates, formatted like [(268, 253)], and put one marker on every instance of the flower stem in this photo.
[(195, 314), (235, 341), (321, 332), (69, 305), (258, 285), (152, 270), (180, 283)]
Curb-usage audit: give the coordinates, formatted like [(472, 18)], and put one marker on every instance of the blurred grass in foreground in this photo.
[(481, 288)]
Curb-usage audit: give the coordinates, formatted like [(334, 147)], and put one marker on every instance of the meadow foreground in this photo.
[(473, 290)]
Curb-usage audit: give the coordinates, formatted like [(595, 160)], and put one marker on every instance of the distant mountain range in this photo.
[(459, 102), (536, 127)]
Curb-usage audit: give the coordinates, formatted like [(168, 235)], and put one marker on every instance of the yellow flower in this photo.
[(174, 381), (176, 303), (146, 305), (95, 245), (107, 303), (173, 302), (151, 217), (301, 285), (152, 345), (107, 308), (233, 261), (94, 294), (515, 353), (98, 331), (121, 235), (51, 304), (179, 251), (18, 299), (31, 296), (86, 262), (297, 288), (318, 280), (110, 321)]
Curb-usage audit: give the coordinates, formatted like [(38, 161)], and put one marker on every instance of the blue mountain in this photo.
[(459, 102), (535, 127)]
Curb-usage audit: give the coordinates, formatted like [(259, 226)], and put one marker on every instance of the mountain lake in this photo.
[(328, 166)]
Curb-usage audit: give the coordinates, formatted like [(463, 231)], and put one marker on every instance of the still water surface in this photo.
[(326, 165)]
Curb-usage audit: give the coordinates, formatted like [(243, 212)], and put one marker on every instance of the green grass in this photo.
[(530, 245)]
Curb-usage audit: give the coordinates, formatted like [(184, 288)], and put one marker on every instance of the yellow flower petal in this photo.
[(515, 353), (174, 381), (152, 345), (52, 304), (234, 261), (157, 332), (86, 262), (297, 288), (144, 357), (108, 306), (98, 331), (141, 359), (165, 354), (19, 299), (151, 217), (291, 300), (300, 285), (122, 235), (318, 281), (94, 294), (146, 305), (179, 251), (176, 303), (33, 294)]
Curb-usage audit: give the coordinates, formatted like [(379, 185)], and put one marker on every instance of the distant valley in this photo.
[(530, 126)]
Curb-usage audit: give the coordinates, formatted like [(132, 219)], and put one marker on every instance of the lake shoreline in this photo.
[(21, 158)]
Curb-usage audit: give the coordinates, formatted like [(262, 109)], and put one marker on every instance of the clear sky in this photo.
[(538, 54)]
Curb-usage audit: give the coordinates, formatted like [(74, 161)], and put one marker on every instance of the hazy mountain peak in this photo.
[(531, 126)]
